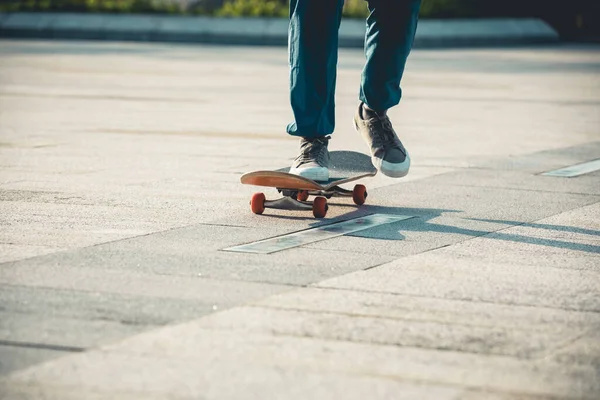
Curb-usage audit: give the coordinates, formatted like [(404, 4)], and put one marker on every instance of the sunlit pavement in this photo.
[(119, 181)]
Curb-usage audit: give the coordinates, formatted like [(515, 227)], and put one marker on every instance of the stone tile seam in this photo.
[(290, 287), (551, 352), (394, 318), (375, 342), (483, 388), (111, 242), (381, 263), (236, 281), (319, 286), (42, 346), (81, 318), (445, 299), (45, 246)]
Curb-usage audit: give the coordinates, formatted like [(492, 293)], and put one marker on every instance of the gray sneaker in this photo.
[(313, 161), (388, 154)]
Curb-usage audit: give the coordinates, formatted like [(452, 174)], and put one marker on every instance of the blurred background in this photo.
[(575, 20)]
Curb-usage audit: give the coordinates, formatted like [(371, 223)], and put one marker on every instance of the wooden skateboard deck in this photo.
[(345, 167)]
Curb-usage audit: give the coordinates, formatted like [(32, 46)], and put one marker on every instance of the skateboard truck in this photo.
[(298, 199)]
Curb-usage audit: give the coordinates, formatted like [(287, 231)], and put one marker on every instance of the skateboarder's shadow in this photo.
[(392, 231), (426, 222)]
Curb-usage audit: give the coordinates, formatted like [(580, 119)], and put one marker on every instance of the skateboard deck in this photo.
[(345, 167)]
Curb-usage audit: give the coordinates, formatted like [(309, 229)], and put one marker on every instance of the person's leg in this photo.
[(391, 28), (313, 48)]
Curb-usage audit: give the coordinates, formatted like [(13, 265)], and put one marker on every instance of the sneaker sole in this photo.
[(315, 174), (392, 170)]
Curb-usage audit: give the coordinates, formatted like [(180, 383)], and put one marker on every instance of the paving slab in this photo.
[(195, 252), (351, 327), (437, 275), (248, 358), (536, 253), (579, 225), (428, 309), (212, 292), (84, 319), (526, 181), (480, 202), (98, 306), (567, 240)]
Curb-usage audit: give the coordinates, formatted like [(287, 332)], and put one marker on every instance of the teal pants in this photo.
[(313, 48)]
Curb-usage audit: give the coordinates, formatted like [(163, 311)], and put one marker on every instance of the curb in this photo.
[(259, 31)]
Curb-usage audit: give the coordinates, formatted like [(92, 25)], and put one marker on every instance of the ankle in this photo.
[(316, 138), (368, 111)]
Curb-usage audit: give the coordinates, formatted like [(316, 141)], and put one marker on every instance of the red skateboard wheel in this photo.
[(359, 194), (320, 207), (302, 195), (257, 203)]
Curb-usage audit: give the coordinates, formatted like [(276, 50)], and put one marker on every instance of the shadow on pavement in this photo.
[(422, 223), (561, 228)]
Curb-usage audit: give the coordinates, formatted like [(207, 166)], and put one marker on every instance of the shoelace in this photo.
[(313, 150), (384, 137)]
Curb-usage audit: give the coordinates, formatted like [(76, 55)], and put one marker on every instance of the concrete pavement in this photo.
[(120, 189)]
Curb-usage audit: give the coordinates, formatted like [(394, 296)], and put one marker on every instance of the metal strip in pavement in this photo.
[(576, 170), (317, 234)]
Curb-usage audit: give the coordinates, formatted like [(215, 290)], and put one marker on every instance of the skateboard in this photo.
[(345, 167)]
